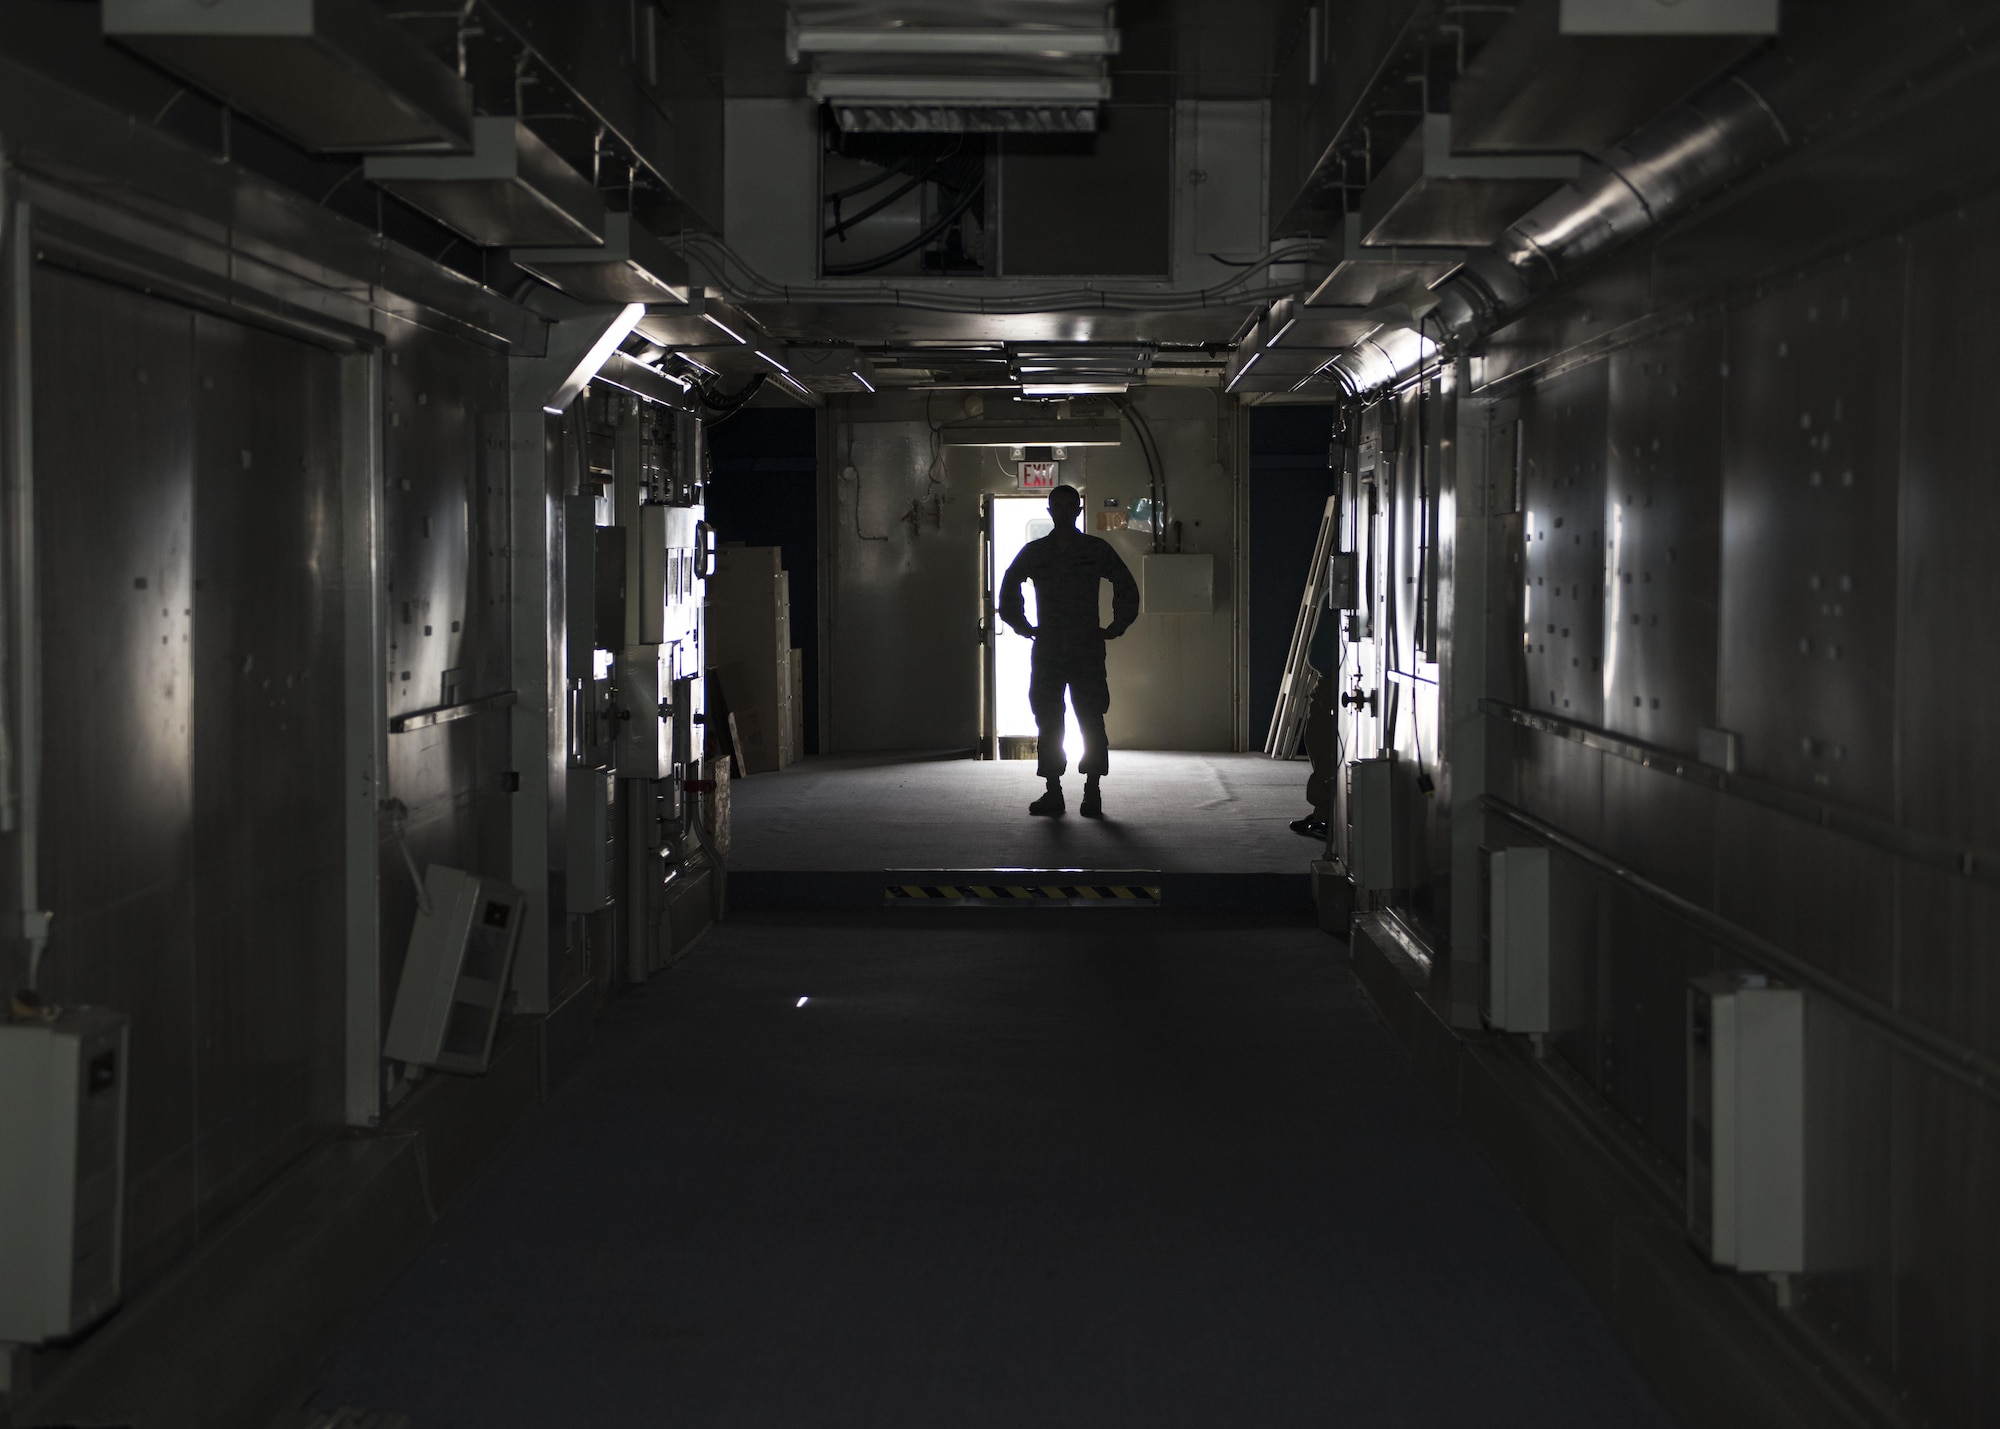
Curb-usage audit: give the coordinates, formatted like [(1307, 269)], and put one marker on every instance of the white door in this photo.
[(1016, 521)]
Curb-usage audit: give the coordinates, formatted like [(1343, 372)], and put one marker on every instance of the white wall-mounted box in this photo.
[(1520, 982), (455, 978), (62, 1172), (1379, 837), (1746, 1192), (1172, 584)]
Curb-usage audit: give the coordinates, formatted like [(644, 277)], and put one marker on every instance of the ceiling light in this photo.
[(725, 329), (1072, 389), (1244, 371), (946, 40)]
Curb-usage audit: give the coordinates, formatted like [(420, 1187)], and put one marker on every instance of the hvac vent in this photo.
[(512, 189), (1746, 1122), (62, 1172), (336, 75), (454, 982)]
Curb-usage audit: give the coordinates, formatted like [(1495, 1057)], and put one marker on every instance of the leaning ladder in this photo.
[(1288, 721)]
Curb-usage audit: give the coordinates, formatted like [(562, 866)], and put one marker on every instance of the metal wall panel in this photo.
[(268, 886), (1948, 704), (1809, 511), (904, 603), (114, 496), (187, 535), (1944, 1159), (1641, 1011), (1562, 482), (1663, 475), (1816, 892), (445, 593)]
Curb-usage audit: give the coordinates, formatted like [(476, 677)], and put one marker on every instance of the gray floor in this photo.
[(1136, 1169), (1196, 813)]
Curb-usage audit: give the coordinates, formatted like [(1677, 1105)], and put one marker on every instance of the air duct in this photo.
[(338, 76), (1661, 172)]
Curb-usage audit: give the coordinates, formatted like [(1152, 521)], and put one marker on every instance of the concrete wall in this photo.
[(901, 584)]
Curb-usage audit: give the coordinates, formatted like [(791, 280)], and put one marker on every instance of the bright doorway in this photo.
[(1012, 522)]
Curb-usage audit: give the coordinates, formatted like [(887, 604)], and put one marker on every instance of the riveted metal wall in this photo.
[(188, 535), (1563, 501), (1663, 460), (445, 594), (1761, 527)]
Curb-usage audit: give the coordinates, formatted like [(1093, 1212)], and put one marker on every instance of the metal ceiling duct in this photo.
[(1291, 345), (511, 190), (337, 76), (833, 369), (632, 266), (1559, 76), (1428, 195), (707, 321), (1659, 173), (1361, 275)]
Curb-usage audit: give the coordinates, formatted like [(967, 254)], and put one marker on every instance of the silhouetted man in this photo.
[(1066, 566)]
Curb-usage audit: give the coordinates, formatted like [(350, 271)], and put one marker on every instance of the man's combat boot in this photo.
[(1093, 802), (1051, 802)]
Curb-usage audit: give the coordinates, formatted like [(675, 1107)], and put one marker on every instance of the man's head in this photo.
[(1065, 505)]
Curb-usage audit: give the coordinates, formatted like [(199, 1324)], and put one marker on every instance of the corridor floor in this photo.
[(970, 1169), (1175, 812)]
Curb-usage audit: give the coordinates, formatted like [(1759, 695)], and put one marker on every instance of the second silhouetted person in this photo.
[(1066, 566)]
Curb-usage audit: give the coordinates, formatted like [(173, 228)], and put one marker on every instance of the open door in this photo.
[(1009, 725)]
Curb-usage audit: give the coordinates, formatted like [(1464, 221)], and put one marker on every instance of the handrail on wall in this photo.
[(1964, 1065)]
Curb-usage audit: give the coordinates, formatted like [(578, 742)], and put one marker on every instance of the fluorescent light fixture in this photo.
[(864, 381), (772, 360), (946, 40), (1072, 389), (696, 363), (801, 1002), (599, 354), (1002, 90), (725, 329), (1244, 371)]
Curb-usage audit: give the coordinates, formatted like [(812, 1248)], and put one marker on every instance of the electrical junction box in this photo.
[(454, 984), (62, 1172), (1377, 833), (1177, 584), (1519, 979), (641, 736), (587, 840), (1746, 1122)]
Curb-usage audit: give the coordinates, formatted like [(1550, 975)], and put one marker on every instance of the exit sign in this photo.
[(1039, 475)]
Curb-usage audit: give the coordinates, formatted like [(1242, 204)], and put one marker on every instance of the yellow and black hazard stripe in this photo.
[(1125, 895)]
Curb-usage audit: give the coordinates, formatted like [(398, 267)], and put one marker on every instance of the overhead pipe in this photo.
[(1665, 169)]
